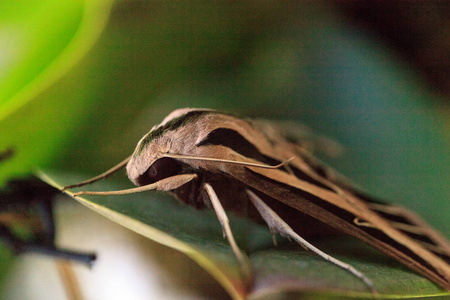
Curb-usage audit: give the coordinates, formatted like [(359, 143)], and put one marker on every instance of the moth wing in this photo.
[(305, 144), (325, 206), (301, 136), (313, 190), (411, 225)]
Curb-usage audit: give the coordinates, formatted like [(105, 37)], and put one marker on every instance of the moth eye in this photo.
[(152, 171), (160, 169)]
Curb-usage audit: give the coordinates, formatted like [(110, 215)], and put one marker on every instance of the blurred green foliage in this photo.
[(41, 41)]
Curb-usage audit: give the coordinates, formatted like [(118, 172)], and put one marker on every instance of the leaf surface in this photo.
[(283, 268)]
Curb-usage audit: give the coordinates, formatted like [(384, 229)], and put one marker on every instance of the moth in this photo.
[(215, 160)]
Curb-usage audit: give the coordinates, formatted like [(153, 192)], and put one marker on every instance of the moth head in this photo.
[(147, 164)]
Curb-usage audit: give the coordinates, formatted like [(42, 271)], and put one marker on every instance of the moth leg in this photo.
[(101, 176), (242, 258), (277, 224)]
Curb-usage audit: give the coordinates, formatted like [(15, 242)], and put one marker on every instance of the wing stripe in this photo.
[(399, 218), (235, 141), (346, 216)]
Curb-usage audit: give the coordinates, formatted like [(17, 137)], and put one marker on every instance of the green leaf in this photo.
[(40, 41), (285, 268)]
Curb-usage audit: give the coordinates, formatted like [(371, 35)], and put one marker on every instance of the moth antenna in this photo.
[(166, 184), (408, 228), (242, 163), (99, 177), (362, 223)]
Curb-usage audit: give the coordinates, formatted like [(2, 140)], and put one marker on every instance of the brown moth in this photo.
[(215, 160)]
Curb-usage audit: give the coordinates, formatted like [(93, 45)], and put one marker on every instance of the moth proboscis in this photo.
[(209, 159)]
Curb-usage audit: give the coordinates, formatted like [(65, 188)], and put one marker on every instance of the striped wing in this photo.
[(316, 190), (426, 253)]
